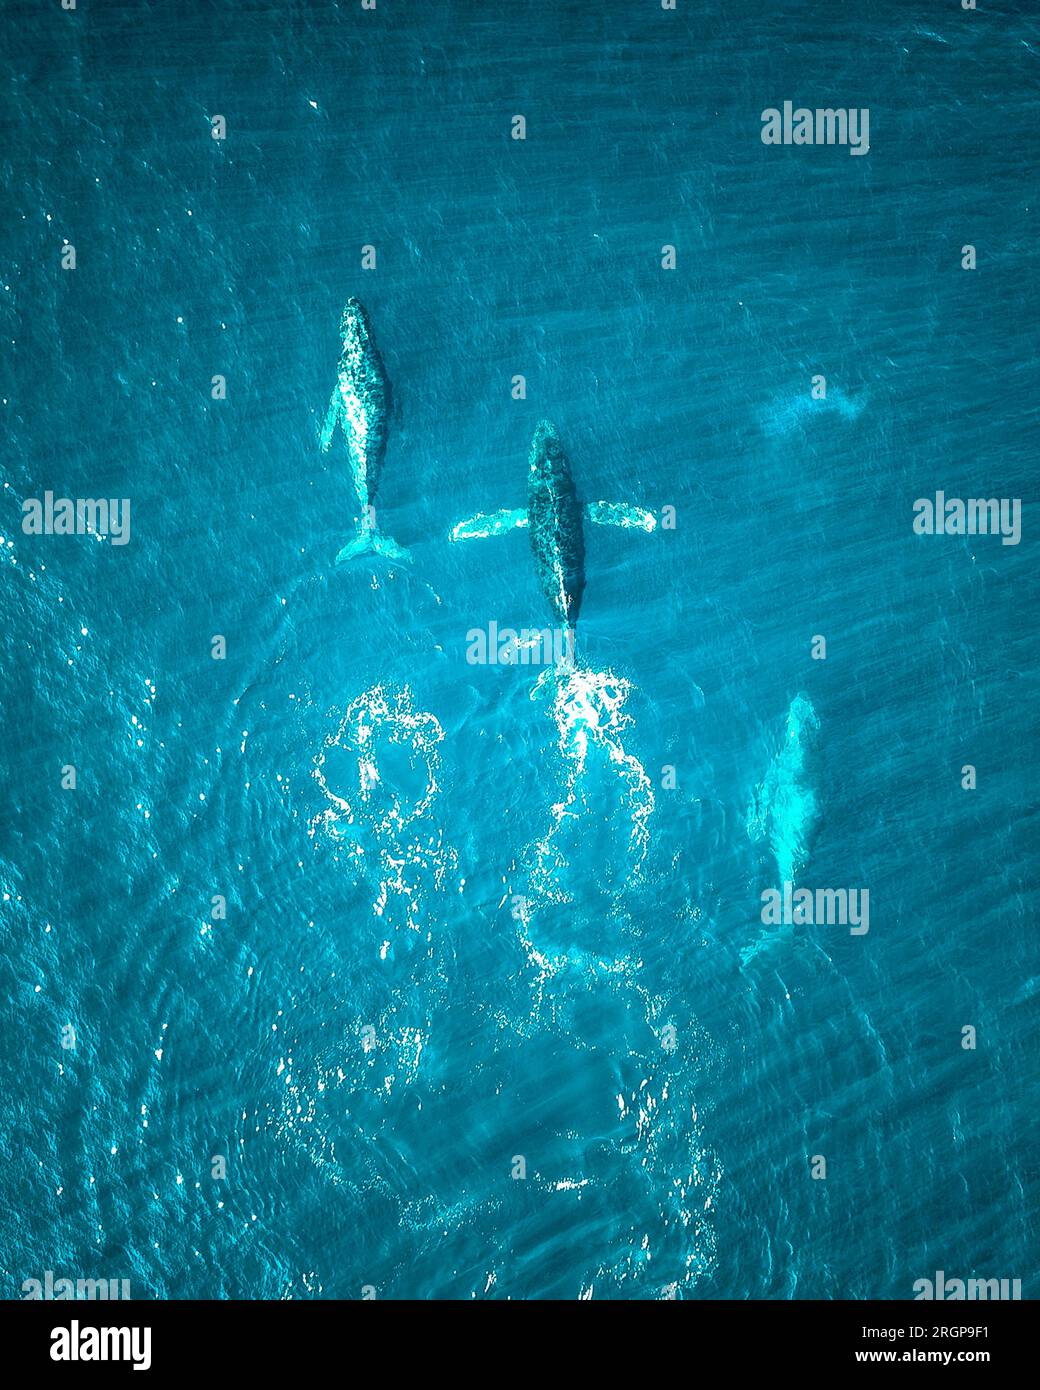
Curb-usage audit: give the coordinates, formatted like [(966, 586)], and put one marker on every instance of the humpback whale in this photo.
[(555, 520), (784, 808), (360, 405)]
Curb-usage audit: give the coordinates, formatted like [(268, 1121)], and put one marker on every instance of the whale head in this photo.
[(353, 324)]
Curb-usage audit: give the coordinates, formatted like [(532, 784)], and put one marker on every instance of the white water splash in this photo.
[(380, 774), (588, 709), (383, 827)]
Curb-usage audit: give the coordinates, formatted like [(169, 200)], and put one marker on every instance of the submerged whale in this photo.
[(555, 518), (784, 809), (361, 406)]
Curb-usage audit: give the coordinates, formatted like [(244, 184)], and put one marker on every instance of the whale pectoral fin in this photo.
[(486, 524), (328, 429), (621, 514)]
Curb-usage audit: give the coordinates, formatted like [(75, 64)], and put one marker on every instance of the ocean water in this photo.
[(471, 934)]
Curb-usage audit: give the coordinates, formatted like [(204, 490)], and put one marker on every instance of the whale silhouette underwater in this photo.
[(555, 518), (360, 405)]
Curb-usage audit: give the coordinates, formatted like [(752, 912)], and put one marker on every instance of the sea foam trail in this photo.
[(654, 1157), (380, 803), (379, 772), (588, 710)]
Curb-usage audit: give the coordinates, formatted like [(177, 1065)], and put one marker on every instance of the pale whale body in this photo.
[(555, 518), (784, 809), (361, 406)]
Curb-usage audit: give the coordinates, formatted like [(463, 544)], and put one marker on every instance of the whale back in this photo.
[(785, 808), (555, 521), (365, 397)]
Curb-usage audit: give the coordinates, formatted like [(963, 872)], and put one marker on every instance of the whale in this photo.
[(784, 810), (360, 405), (555, 518)]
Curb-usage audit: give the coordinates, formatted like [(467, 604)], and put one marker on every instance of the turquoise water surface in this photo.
[(492, 1011)]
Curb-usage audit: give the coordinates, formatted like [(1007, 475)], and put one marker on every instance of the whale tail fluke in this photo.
[(371, 541), (556, 675), (544, 687)]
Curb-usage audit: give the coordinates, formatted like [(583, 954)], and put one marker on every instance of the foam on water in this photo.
[(588, 708), (383, 822)]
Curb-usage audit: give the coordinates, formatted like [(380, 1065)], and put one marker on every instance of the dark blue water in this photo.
[(494, 928)]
